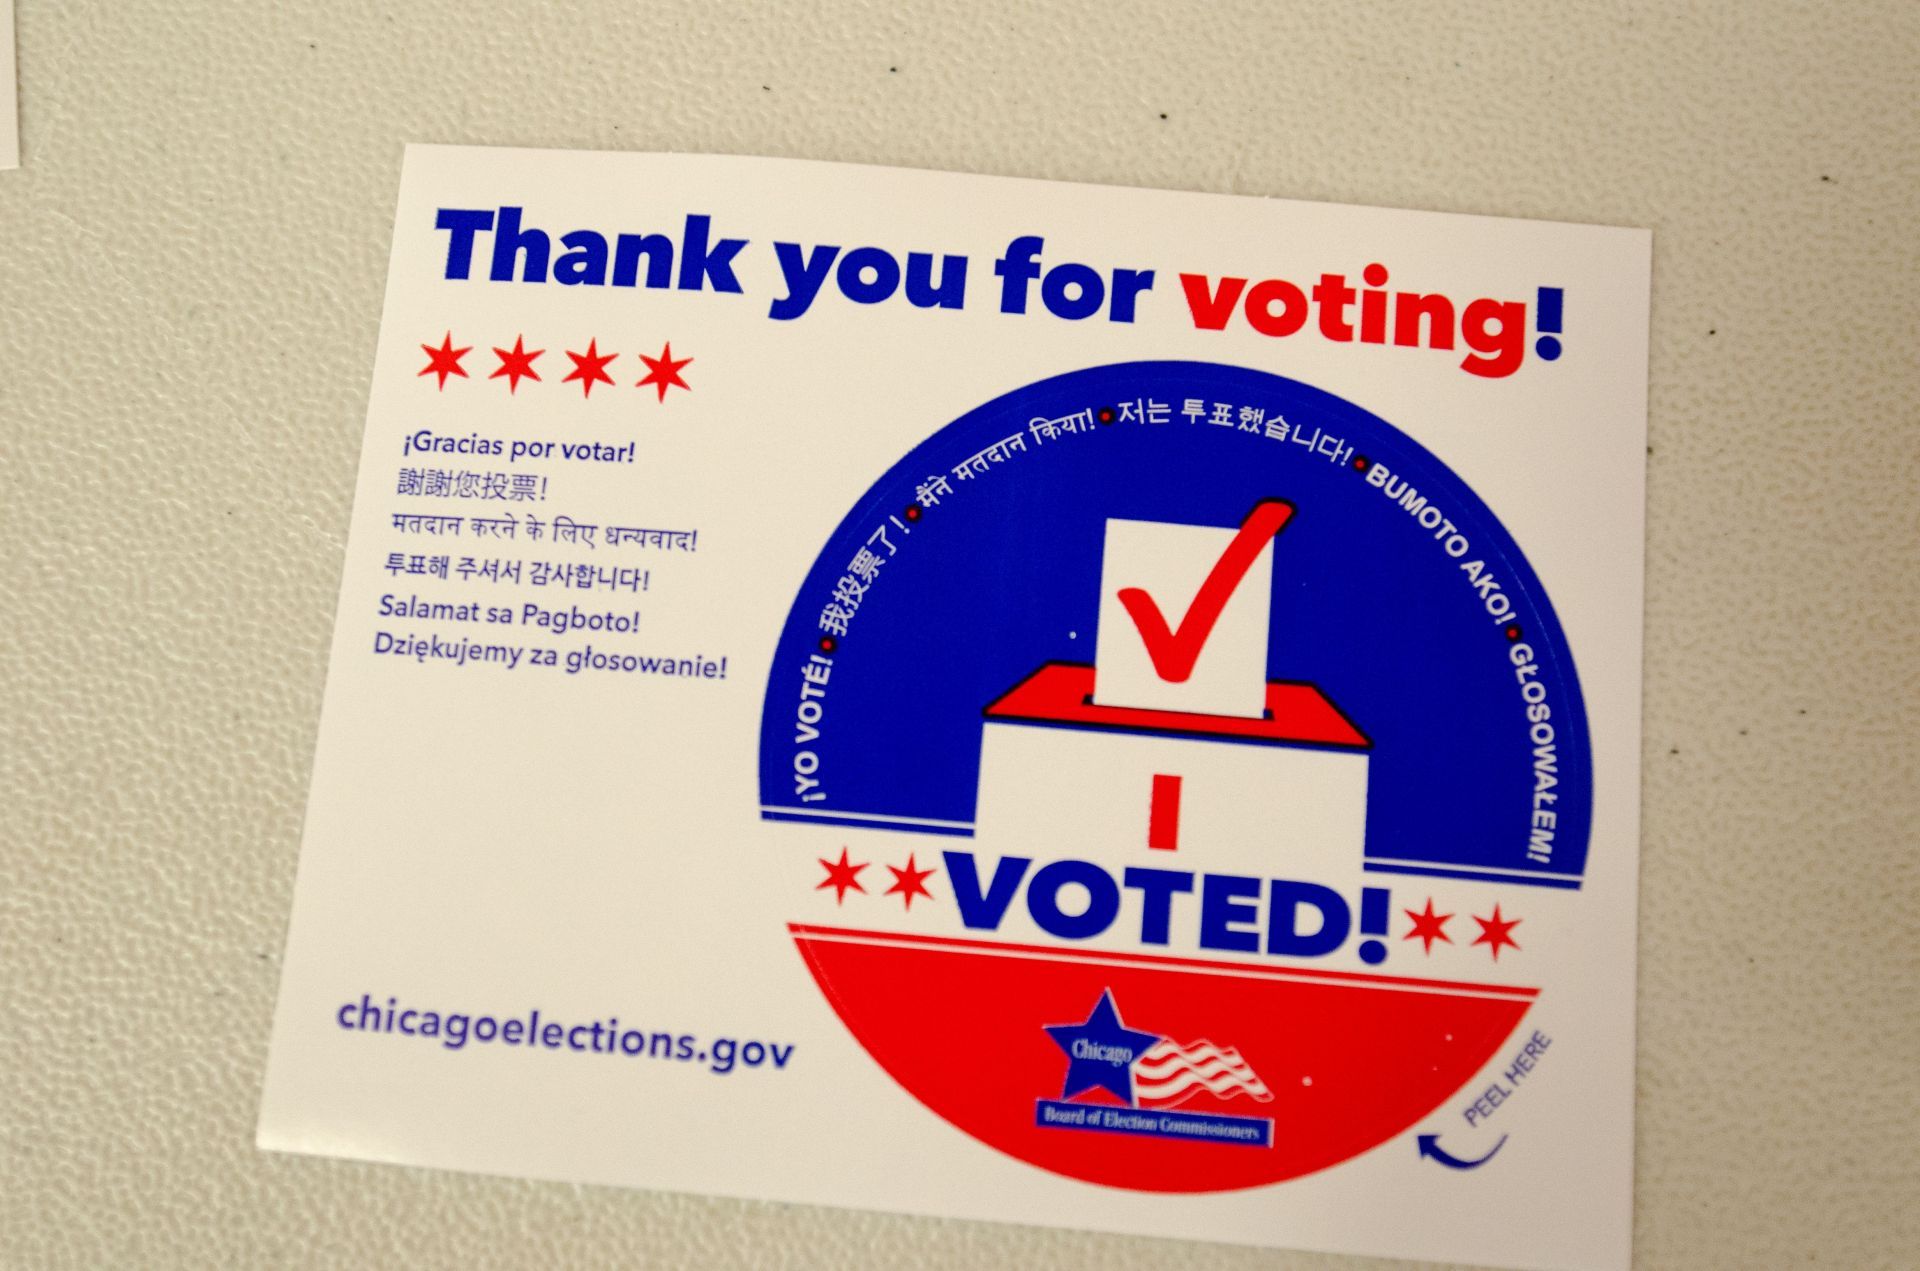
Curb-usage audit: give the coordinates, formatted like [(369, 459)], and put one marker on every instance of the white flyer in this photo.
[(969, 696)]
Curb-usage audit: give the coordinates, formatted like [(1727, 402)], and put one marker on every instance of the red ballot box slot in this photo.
[(1296, 714)]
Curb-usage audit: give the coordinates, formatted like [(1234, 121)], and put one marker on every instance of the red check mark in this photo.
[(1175, 652)]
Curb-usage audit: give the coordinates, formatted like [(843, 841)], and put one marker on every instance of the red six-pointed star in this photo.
[(589, 368), (1493, 931), (909, 882), (516, 364), (843, 876), (445, 360), (1428, 926), (663, 372)]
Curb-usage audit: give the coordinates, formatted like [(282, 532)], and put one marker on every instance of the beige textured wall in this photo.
[(191, 266)]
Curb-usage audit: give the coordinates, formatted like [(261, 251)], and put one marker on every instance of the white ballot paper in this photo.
[(969, 696)]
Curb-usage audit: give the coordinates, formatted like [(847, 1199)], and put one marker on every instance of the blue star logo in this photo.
[(1100, 1052)]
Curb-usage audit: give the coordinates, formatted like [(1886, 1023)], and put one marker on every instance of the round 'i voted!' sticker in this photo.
[(1187, 776)]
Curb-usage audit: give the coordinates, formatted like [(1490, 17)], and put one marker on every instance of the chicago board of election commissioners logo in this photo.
[(1147, 1073), (1141, 748)]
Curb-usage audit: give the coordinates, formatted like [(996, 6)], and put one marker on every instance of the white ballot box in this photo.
[(1221, 767)]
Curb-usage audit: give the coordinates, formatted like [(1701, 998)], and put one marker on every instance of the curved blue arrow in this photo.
[(1430, 1146)]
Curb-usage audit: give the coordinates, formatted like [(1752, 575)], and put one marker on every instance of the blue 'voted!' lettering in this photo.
[(1236, 913)]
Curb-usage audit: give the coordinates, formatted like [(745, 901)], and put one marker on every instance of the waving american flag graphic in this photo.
[(1167, 1075)]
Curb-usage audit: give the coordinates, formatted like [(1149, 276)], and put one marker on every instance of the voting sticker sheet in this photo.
[(957, 695), (9, 92)]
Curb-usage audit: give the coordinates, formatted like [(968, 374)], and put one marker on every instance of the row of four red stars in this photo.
[(844, 876), (1495, 932), (589, 368)]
